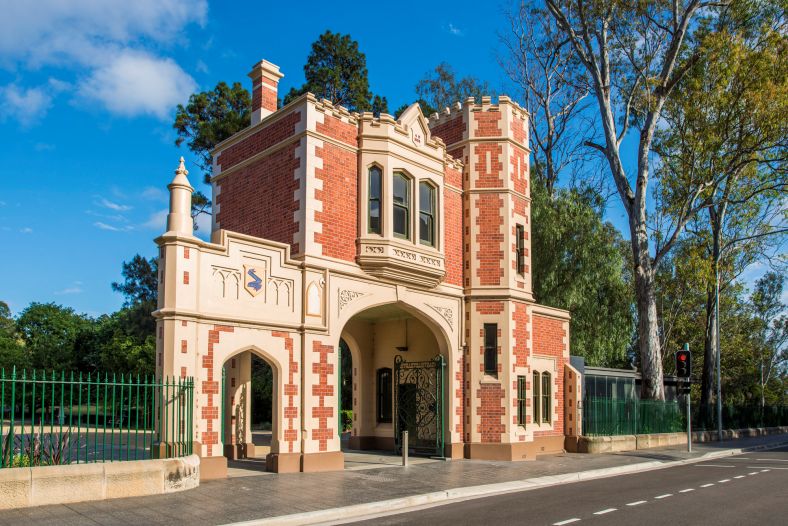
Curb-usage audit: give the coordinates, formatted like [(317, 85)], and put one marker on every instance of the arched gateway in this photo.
[(409, 241)]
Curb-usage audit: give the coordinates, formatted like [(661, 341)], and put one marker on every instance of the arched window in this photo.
[(536, 403), (375, 177), (546, 399), (401, 203), (426, 214)]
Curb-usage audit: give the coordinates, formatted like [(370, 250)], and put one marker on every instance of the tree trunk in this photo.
[(709, 360), (648, 325)]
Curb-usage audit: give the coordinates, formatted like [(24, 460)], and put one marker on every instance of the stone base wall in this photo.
[(730, 434), (38, 486)]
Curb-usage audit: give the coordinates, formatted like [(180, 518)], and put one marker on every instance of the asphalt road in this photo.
[(745, 489)]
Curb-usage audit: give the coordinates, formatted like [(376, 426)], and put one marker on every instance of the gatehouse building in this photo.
[(405, 241)]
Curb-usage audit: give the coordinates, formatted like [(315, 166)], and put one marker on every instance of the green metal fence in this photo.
[(611, 416), (739, 416), (50, 418)]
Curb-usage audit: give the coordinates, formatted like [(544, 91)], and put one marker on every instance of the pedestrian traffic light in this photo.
[(683, 363)]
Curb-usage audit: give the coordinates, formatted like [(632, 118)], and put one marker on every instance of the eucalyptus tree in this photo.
[(633, 55), (737, 140)]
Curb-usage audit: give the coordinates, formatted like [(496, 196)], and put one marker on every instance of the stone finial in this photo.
[(179, 220)]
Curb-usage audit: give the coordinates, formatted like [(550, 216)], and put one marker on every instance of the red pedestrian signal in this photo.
[(683, 364)]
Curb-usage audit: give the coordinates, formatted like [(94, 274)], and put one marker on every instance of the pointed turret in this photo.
[(179, 220)]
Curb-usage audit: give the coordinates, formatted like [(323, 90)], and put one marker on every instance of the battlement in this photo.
[(470, 105)]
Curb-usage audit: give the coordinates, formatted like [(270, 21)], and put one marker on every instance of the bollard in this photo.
[(405, 449)]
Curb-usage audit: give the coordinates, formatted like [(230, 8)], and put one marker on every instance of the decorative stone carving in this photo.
[(281, 291), (346, 296), (446, 313), (227, 282)]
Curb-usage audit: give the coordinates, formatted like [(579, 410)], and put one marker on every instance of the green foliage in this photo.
[(337, 70), (50, 332), (11, 350), (211, 117), (347, 420), (140, 281), (579, 264), (262, 392), (441, 88)]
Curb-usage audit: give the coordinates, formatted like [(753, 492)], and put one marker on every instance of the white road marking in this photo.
[(567, 521), (714, 466), (739, 476), (753, 473), (763, 468), (724, 480), (636, 503), (771, 460), (666, 495), (687, 490), (605, 511), (707, 485)]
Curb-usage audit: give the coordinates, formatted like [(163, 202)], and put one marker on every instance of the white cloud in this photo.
[(202, 67), (101, 41), (203, 223), (2, 203), (76, 289), (105, 226), (106, 203), (137, 84), (26, 230), (44, 147), (153, 193), (27, 105), (157, 220), (57, 31), (454, 30)]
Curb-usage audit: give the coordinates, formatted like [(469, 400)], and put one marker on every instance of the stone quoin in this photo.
[(403, 239)]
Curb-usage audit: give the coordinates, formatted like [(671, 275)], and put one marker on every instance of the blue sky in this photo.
[(87, 97)]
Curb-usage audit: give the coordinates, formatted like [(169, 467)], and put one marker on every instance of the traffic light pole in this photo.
[(689, 422)]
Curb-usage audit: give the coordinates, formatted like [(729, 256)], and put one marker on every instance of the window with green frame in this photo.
[(375, 180), (426, 214), (522, 396), (546, 401), (536, 401), (401, 208)]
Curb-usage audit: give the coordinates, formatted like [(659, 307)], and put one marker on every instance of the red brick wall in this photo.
[(490, 240), (257, 142), (259, 199), (451, 131), (520, 333), (336, 129), (518, 129), (290, 392), (325, 387), (488, 123), (210, 387), (548, 339), (452, 236), (340, 203), (488, 176), (519, 176), (491, 412), (264, 97)]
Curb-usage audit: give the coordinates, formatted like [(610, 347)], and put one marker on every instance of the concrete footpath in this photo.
[(304, 498)]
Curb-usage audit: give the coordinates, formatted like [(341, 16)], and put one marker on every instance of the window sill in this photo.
[(489, 379)]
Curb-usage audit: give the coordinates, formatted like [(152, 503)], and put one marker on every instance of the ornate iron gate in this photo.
[(418, 409)]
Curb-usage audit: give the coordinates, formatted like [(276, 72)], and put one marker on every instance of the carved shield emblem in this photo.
[(254, 279)]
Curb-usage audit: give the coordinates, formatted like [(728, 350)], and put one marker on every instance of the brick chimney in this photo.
[(265, 81)]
